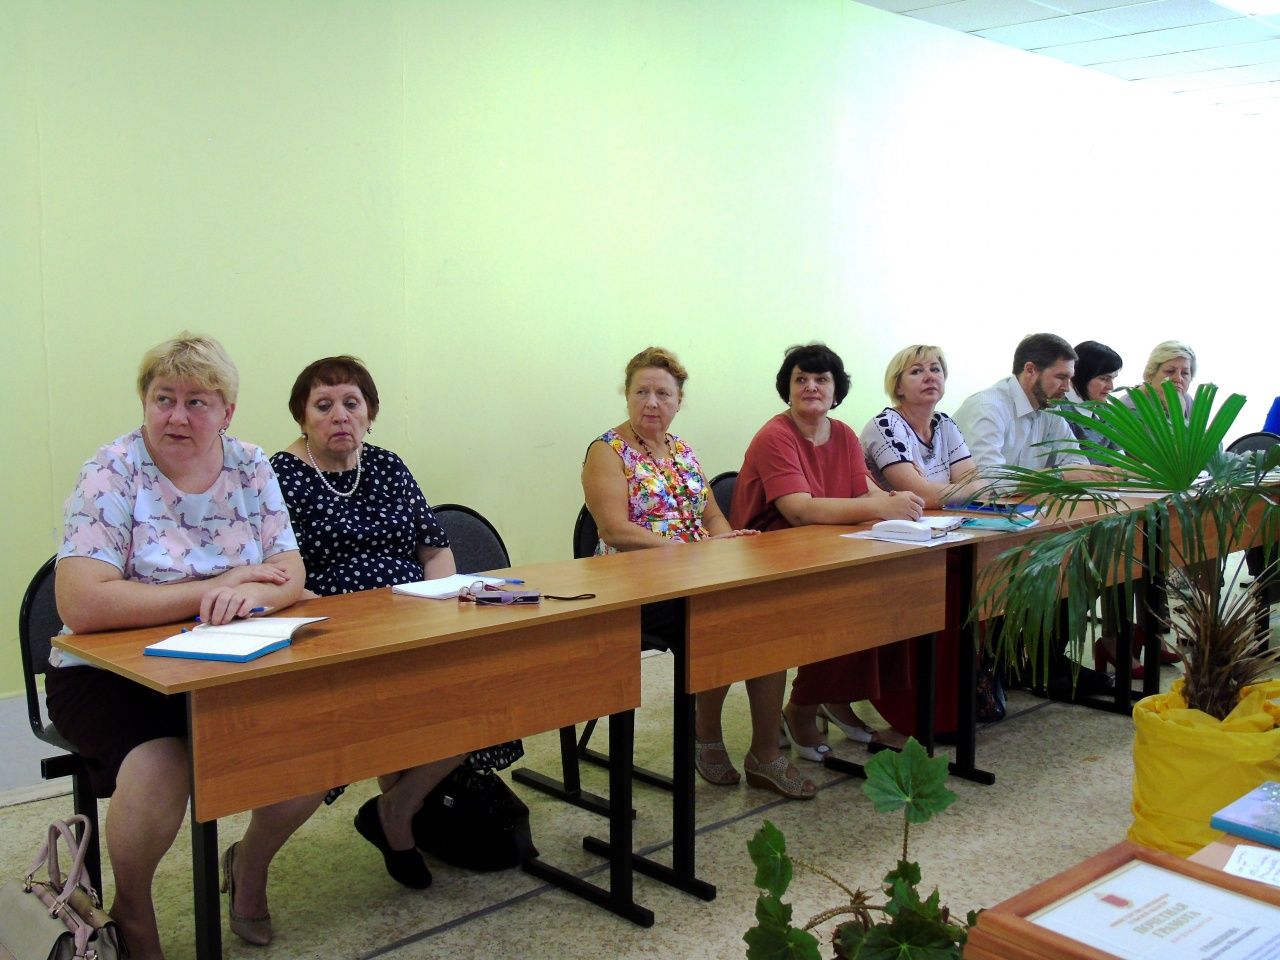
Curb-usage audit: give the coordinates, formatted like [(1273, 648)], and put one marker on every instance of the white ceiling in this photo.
[(1194, 50)]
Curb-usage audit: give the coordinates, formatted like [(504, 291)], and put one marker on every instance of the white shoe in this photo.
[(853, 731), (816, 753)]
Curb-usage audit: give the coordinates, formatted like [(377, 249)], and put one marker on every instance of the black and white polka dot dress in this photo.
[(364, 541)]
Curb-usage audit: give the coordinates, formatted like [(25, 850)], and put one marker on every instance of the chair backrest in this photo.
[(585, 534), (1254, 442), (722, 485), (475, 542), (38, 622)]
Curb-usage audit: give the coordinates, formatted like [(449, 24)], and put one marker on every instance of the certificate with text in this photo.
[(1145, 912)]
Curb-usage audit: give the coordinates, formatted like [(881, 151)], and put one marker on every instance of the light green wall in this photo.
[(496, 204)]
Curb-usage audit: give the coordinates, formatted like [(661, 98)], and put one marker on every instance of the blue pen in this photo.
[(512, 580), (253, 611)]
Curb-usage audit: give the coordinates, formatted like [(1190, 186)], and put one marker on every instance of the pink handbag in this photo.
[(60, 918)]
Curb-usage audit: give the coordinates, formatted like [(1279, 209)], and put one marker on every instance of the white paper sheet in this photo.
[(443, 588), (1255, 863)]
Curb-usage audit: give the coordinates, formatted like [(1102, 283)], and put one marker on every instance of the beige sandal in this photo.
[(719, 772), (780, 777)]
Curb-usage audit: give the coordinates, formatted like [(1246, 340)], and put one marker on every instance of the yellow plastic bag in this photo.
[(1187, 766)]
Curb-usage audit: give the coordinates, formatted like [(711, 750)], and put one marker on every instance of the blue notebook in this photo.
[(998, 523), (1255, 816), (237, 642), (994, 506)]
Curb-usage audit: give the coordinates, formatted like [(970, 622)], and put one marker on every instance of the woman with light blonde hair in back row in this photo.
[(1175, 362)]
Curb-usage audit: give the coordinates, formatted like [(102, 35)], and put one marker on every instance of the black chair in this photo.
[(722, 487), (476, 543), (574, 748), (1255, 557), (38, 623), (1258, 442)]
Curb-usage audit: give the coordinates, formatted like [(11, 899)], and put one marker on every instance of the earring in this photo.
[(369, 429), (222, 432)]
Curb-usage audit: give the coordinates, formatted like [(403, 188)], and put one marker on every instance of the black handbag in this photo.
[(472, 819), (989, 697)]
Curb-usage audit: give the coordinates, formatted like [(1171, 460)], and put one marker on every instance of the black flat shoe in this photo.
[(405, 866)]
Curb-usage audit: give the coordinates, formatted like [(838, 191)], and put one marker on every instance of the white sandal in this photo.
[(853, 731), (814, 753)]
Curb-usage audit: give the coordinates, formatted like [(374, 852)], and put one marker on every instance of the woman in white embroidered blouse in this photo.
[(910, 445)]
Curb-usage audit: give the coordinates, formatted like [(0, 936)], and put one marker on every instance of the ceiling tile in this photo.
[(1202, 36), (1260, 71), (1262, 110), (1183, 82), (1248, 91), (1087, 6), (1210, 80), (970, 15), (1043, 33), (1161, 15), (1243, 54), (904, 6), (1102, 51), (1203, 54), (1161, 66)]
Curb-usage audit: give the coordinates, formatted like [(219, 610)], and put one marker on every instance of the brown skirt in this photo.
[(105, 716)]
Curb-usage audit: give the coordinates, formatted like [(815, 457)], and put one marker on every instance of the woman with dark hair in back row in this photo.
[(1097, 367)]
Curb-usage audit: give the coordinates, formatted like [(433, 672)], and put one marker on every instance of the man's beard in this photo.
[(1042, 399)]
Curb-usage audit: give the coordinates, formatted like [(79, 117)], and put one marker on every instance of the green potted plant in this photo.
[(909, 927), (1216, 734)]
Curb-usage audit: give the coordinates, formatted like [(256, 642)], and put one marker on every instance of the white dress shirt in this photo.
[(1003, 428)]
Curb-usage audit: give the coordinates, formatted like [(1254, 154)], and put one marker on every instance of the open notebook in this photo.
[(238, 642)]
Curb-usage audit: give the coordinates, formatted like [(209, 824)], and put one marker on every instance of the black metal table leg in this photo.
[(1152, 643), (965, 763), (681, 874), (618, 899), (926, 690), (570, 789), (204, 875)]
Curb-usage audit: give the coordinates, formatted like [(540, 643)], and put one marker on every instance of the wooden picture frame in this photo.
[(1004, 933)]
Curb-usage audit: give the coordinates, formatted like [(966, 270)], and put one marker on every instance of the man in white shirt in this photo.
[(1006, 423), (1009, 424)]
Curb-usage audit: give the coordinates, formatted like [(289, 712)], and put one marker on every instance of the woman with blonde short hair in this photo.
[(910, 445), (171, 521)]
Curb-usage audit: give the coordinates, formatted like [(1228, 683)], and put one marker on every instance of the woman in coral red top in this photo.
[(802, 467)]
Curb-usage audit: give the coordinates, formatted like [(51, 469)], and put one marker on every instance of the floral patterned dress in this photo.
[(667, 497)]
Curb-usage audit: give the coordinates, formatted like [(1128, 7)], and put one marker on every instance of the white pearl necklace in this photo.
[(320, 473)]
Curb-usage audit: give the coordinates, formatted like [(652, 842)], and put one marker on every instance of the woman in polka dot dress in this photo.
[(362, 523)]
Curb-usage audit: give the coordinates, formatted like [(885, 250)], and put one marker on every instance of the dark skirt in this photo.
[(105, 716), (855, 676)]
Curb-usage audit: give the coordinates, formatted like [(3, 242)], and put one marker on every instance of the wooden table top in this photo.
[(378, 622)]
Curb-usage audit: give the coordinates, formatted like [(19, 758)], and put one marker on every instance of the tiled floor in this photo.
[(1062, 794)]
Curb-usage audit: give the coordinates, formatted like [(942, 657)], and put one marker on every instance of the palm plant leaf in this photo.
[(1198, 505)]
